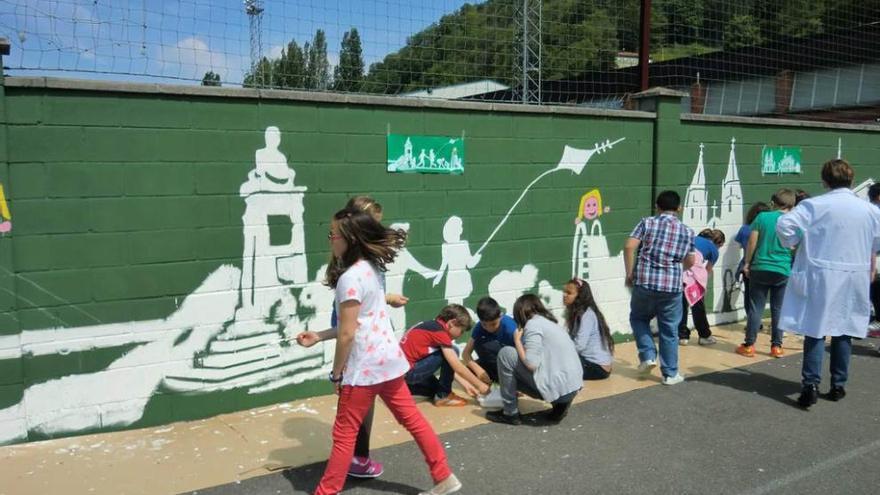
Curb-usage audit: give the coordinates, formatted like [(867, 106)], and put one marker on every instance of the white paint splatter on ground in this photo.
[(304, 408)]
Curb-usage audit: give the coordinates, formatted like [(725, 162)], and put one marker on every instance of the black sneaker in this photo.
[(835, 394), (809, 396), (500, 417)]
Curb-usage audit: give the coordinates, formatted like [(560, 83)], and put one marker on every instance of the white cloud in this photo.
[(191, 58), (275, 51)]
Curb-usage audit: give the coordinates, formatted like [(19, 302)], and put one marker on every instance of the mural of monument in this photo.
[(232, 331), (696, 215)]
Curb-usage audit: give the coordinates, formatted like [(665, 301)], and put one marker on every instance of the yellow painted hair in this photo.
[(595, 194), (4, 208)]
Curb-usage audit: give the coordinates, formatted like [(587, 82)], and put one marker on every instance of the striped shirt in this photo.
[(665, 241)]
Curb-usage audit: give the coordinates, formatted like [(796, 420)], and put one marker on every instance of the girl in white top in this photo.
[(368, 360), (588, 329)]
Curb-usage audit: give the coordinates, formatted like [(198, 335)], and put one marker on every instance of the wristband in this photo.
[(334, 379)]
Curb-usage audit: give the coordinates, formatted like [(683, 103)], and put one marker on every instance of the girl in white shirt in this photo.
[(368, 360)]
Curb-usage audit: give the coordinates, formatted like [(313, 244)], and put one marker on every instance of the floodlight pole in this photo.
[(645, 45)]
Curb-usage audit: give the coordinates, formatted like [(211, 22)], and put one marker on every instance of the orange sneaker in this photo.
[(746, 350), (450, 400), (776, 351)]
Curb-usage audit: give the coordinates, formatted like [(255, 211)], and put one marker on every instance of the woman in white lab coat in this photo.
[(827, 294)]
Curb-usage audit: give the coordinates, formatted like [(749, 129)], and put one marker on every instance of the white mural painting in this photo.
[(396, 274), (573, 160), (456, 262), (457, 259), (117, 395), (231, 332), (727, 217), (508, 285), (234, 330), (591, 260)]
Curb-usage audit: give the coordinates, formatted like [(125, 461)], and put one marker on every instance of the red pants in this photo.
[(354, 402)]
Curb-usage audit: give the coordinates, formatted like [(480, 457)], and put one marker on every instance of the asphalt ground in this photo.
[(737, 431)]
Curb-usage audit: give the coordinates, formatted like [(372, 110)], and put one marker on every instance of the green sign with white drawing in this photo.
[(781, 161), (425, 154)]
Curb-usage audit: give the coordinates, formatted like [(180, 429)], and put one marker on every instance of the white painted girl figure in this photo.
[(587, 223), (457, 260)]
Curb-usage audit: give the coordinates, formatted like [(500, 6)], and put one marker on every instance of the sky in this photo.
[(179, 40)]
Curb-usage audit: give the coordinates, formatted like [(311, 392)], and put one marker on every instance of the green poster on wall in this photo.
[(781, 161), (425, 154)]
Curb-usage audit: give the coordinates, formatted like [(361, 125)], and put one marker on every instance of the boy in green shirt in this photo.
[(767, 266)]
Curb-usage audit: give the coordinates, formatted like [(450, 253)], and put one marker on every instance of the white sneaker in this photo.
[(492, 400), (684, 341), (647, 365), (449, 485), (710, 340), (673, 380)]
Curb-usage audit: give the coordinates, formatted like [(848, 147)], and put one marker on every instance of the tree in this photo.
[(741, 30), (211, 79), (349, 73), (317, 66), (685, 19), (292, 67), (264, 75)]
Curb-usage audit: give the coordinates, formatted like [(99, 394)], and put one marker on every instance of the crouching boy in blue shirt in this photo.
[(493, 332)]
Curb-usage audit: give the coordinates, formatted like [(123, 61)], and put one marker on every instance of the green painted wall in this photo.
[(127, 216)]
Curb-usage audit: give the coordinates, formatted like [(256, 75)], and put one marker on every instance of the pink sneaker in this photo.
[(364, 467)]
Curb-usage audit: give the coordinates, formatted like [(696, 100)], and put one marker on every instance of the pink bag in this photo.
[(695, 280)]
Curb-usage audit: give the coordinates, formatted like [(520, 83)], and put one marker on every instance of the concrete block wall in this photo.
[(150, 275), (128, 245)]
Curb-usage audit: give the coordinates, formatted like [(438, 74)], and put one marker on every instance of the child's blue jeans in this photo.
[(421, 379)]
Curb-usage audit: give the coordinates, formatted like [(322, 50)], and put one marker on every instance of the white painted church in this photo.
[(696, 215)]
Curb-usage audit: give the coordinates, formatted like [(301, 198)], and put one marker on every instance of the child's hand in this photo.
[(517, 335), (471, 390), (484, 377), (307, 339), (396, 300)]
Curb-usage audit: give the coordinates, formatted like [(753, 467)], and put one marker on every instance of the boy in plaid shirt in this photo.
[(664, 245)]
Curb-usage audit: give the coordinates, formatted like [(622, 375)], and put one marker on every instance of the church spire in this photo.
[(699, 180), (732, 174)]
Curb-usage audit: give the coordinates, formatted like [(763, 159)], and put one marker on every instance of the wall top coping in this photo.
[(314, 97), (730, 119), (660, 91)]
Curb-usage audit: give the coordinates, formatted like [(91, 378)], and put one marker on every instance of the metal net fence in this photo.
[(799, 58)]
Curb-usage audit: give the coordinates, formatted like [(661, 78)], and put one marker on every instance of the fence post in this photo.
[(666, 105)]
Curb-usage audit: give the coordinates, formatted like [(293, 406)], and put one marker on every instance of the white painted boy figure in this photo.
[(457, 260), (396, 275), (837, 235)]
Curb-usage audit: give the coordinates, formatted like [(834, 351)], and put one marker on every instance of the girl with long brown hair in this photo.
[(588, 329), (368, 360)]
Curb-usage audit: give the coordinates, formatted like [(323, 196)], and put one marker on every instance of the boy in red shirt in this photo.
[(428, 347)]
